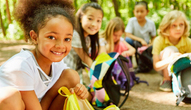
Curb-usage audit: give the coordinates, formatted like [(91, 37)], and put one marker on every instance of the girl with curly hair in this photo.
[(30, 79)]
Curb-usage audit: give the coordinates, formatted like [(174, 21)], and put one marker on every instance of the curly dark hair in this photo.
[(34, 14)]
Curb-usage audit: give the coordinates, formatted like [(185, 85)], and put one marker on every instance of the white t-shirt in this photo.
[(145, 32), (23, 72)]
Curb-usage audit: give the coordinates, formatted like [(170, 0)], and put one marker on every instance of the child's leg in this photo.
[(166, 82), (69, 78), (130, 41), (166, 75), (166, 53), (10, 99)]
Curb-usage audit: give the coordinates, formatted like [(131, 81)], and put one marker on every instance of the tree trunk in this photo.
[(75, 4), (176, 4), (94, 1), (8, 11), (171, 5), (116, 8), (2, 26), (14, 3)]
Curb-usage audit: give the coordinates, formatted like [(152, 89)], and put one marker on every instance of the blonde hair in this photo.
[(114, 25), (168, 19)]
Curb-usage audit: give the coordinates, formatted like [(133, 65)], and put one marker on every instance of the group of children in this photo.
[(31, 78)]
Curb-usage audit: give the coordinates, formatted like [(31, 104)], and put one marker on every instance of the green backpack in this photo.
[(180, 69)]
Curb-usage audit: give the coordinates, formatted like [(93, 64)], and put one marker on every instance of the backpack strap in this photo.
[(183, 91), (137, 79), (181, 96), (126, 72)]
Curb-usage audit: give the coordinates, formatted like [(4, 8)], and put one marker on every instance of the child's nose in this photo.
[(94, 23), (178, 27), (60, 44)]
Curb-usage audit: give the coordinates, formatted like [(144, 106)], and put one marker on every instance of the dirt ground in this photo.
[(141, 97)]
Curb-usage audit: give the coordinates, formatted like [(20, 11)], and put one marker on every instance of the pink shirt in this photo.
[(120, 47)]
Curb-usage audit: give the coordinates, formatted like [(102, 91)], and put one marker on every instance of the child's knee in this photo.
[(166, 52), (10, 99), (71, 77)]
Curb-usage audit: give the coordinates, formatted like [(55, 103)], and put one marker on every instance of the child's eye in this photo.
[(67, 39), (89, 18), (181, 25), (98, 21), (173, 26), (51, 37)]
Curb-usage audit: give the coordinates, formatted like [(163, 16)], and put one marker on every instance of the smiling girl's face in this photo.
[(53, 42), (91, 21)]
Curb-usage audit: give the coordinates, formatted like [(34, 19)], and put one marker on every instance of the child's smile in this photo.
[(91, 21), (57, 53), (54, 40)]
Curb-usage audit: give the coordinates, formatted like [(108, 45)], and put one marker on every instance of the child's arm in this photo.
[(159, 64), (142, 41), (83, 56), (131, 50), (30, 100), (152, 40), (102, 49), (102, 44)]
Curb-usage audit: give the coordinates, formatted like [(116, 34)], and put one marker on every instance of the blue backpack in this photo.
[(180, 69)]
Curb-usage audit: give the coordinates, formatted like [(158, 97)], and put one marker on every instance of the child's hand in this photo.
[(80, 91), (143, 42), (126, 53)]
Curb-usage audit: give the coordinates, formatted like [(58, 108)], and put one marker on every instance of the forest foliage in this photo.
[(9, 28)]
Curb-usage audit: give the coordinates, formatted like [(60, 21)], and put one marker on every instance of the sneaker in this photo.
[(165, 86)]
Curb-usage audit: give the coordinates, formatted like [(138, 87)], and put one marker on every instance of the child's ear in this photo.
[(33, 36)]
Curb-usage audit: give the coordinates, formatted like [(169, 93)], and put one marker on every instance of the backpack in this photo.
[(107, 86), (180, 69), (144, 60)]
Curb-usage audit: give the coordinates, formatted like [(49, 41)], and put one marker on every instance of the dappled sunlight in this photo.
[(17, 47), (165, 98), (2, 60), (10, 48), (157, 97), (141, 97)]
